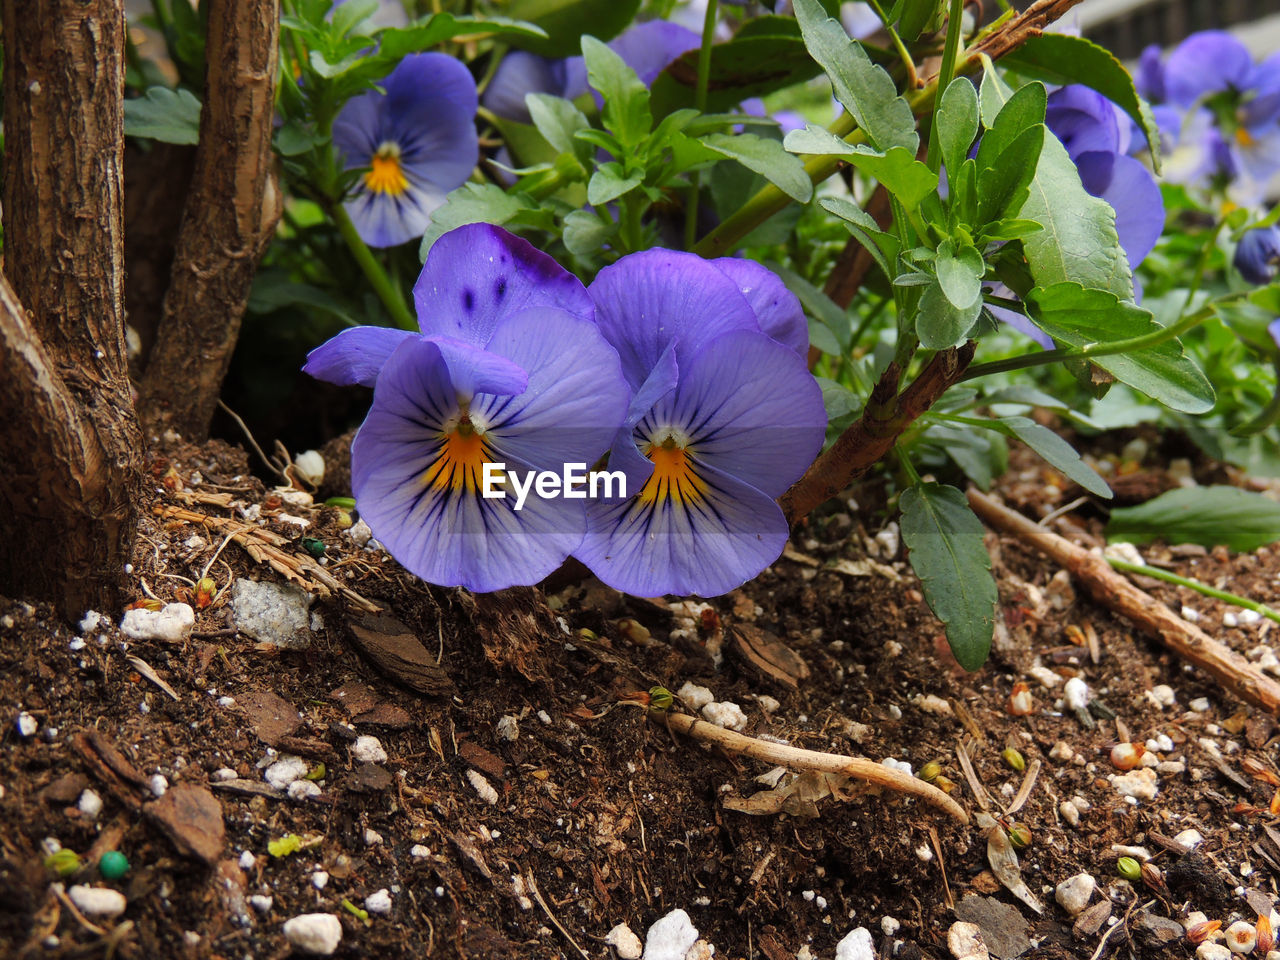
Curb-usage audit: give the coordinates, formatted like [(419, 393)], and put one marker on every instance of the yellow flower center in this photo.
[(460, 465), (673, 476), (1244, 138), (385, 174)]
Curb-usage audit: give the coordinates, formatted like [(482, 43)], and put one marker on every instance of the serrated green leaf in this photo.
[(1078, 316), (901, 173), (1020, 113), (558, 120), (626, 99), (767, 158), (1058, 453), (1003, 188), (608, 184), (959, 268), (882, 246), (949, 557), (1079, 241), (474, 203), (1008, 230), (1240, 519), (396, 43), (863, 88), (567, 22), (957, 122), (171, 116), (1060, 58), (941, 324)]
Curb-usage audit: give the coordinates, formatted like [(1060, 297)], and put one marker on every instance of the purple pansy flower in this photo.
[(418, 140), (724, 417), (1257, 255), (510, 368)]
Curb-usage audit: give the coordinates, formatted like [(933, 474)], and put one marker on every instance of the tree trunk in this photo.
[(231, 211), (70, 474)]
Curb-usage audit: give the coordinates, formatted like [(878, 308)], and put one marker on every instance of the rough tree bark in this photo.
[(230, 214), (70, 472)]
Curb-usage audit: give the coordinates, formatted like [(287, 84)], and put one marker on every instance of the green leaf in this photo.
[(1058, 453), (749, 65), (585, 233), (1079, 316), (626, 99), (1021, 112), (822, 337), (957, 122), (348, 15), (882, 246), (293, 139), (941, 324), (948, 555), (558, 120), (993, 94), (1063, 59), (917, 15), (767, 158), (475, 203), (567, 22), (866, 90), (172, 116), (396, 43), (901, 173), (1079, 241), (608, 184), (959, 268), (1209, 516), (1004, 187), (1008, 230), (839, 400)]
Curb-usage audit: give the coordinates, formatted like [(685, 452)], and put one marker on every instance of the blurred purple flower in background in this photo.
[(418, 140), (1257, 255)]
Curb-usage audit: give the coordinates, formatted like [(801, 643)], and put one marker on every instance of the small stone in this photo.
[(1212, 951), (1248, 616), (1229, 619), (224, 773), (856, 945), (98, 901), (1046, 677), (89, 622), (1199, 705), (286, 770), (965, 942), (158, 785), (378, 902), (695, 697), (890, 926), (508, 728), (372, 837), (90, 804), (701, 950), (303, 790), (173, 623), (27, 724), (309, 466), (360, 533), (1069, 812), (1073, 894), (1140, 784), (1163, 694), (419, 852), (1242, 937), (624, 942), (247, 860), (274, 613), (725, 714), (261, 902), (1190, 838), (1076, 694), (368, 749), (315, 933), (320, 879), (670, 937)]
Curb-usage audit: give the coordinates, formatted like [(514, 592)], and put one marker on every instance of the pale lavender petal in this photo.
[(473, 370), (1206, 63), (521, 73), (662, 380), (777, 309), (431, 106), (1132, 192), (354, 356), (478, 275), (647, 48), (1150, 76), (383, 220)]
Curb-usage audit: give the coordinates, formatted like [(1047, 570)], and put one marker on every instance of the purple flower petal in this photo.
[(662, 380), (1273, 328), (521, 73), (750, 408), (647, 48), (706, 547), (1132, 192), (650, 300), (1257, 255), (354, 356), (1150, 76), (1263, 107), (445, 532), (1084, 120), (479, 274), (472, 370), (1206, 63), (777, 309)]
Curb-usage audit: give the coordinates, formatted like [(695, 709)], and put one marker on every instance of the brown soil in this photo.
[(603, 816)]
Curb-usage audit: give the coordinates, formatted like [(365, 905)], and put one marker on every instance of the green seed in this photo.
[(1020, 836), (929, 772), (346, 503), (318, 772), (1129, 868), (113, 865), (1014, 759), (64, 863), (660, 698), (313, 546)]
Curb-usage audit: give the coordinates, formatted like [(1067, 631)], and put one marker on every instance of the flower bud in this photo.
[(660, 698), (1202, 931), (64, 863), (930, 771), (1257, 255), (1020, 836), (206, 592), (1266, 939), (1152, 876)]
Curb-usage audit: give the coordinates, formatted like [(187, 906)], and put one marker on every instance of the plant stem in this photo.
[(1157, 574), (913, 79), (945, 73), (391, 296), (700, 104)]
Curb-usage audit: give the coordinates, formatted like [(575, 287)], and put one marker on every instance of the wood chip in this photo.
[(355, 697), (369, 778), (515, 626), (271, 716), (394, 649), (386, 715), (480, 758), (250, 788), (768, 655), (191, 816)]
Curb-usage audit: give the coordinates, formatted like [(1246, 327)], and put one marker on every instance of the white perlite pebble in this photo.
[(247, 860), (378, 902), (303, 790), (1045, 677), (482, 787), (98, 901), (1141, 784), (1073, 893), (1076, 694), (27, 724), (508, 728), (224, 773), (1061, 752), (1190, 838), (320, 879), (158, 785), (1163, 694), (90, 621), (261, 902), (670, 937), (856, 945), (965, 942), (315, 933), (695, 697), (725, 714), (419, 852), (890, 926), (275, 613), (1069, 812), (90, 804), (624, 942), (372, 837), (1212, 951), (309, 466), (1199, 705), (172, 622), (285, 770), (368, 749)]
